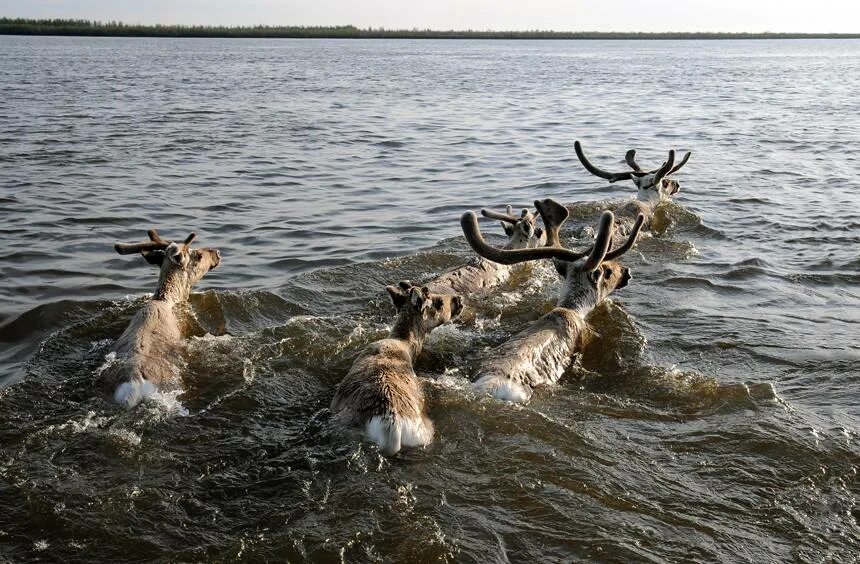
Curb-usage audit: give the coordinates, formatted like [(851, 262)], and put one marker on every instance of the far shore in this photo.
[(21, 26)]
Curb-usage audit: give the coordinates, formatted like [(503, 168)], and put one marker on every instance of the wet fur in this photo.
[(147, 352), (537, 356), (540, 354), (648, 198), (381, 395), (652, 187), (480, 274)]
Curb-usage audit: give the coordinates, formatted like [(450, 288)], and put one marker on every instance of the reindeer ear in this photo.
[(153, 257), (417, 298), (625, 278), (178, 255), (538, 232), (595, 275), (560, 267), (398, 298), (509, 229)]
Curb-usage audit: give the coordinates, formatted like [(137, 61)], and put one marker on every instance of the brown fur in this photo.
[(541, 353), (148, 351), (382, 382), (480, 274), (653, 186)]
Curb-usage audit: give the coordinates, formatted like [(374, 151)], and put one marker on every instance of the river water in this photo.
[(715, 417)]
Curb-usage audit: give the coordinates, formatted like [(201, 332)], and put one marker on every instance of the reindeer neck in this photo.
[(515, 243), (649, 197), (519, 241), (173, 285), (408, 327), (580, 298)]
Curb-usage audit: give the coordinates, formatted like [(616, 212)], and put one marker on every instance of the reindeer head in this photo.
[(522, 232), (181, 266), (417, 306), (589, 276), (652, 185)]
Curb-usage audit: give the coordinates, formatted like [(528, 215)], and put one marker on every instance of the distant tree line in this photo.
[(21, 26)]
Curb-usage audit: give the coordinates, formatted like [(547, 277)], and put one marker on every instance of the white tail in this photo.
[(129, 394), (385, 432), (392, 433), (503, 388)]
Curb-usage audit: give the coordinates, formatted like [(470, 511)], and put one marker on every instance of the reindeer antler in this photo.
[(663, 170), (631, 240), (155, 237), (678, 166), (506, 217), (630, 157), (553, 216), (610, 176), (155, 243)]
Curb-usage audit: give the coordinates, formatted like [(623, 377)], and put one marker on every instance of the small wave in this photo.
[(163, 405), (675, 391), (696, 282), (390, 143), (80, 424)]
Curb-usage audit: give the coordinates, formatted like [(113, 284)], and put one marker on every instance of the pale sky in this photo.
[(561, 15)]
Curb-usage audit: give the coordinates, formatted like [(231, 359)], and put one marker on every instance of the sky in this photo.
[(818, 16)]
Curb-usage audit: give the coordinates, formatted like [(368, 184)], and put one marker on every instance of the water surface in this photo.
[(714, 417)]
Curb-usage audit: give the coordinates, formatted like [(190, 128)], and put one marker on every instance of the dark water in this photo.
[(714, 417)]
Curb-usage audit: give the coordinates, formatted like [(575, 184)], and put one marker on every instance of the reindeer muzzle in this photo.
[(456, 306), (626, 277)]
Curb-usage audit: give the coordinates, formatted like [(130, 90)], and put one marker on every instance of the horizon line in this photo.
[(87, 27)]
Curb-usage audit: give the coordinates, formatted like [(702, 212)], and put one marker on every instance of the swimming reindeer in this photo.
[(652, 186), (149, 347), (540, 354), (381, 393), (480, 274)]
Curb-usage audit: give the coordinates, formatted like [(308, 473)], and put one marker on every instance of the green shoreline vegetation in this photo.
[(22, 26)]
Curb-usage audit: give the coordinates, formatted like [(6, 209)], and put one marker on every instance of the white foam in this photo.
[(692, 251), (95, 345), (167, 402), (448, 338), (89, 421), (486, 323), (110, 359), (125, 436), (358, 332), (209, 337), (452, 379), (509, 298)]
